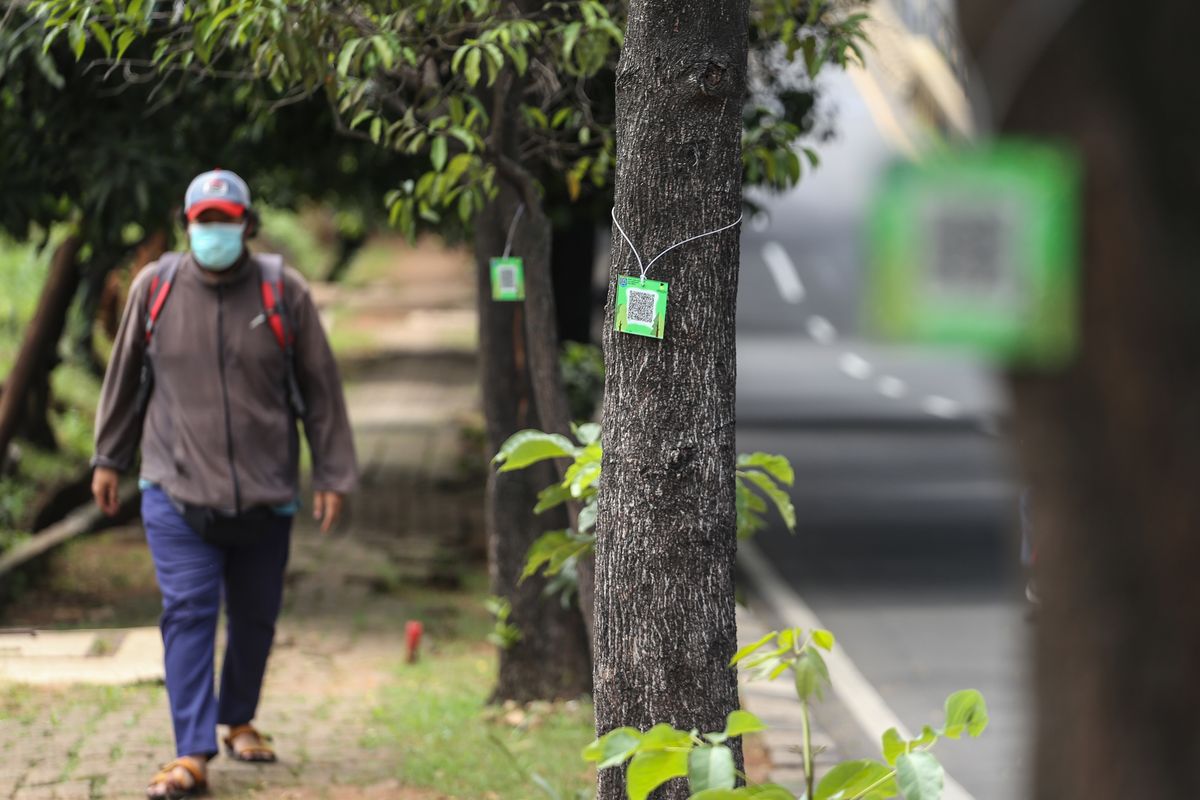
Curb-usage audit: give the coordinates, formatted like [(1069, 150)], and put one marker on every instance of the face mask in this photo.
[(216, 245)]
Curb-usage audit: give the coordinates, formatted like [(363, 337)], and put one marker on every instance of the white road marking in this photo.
[(821, 330), (783, 270), (940, 406), (891, 386), (852, 688), (855, 366)]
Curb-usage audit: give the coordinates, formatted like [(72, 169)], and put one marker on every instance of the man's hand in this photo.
[(104, 489), (327, 507)]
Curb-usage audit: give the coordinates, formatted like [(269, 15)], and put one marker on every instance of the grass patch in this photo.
[(434, 714)]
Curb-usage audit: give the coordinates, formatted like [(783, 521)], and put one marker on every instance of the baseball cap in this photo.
[(218, 188)]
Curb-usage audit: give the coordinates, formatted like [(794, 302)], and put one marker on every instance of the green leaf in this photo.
[(587, 517), (812, 676), (346, 56), (710, 767), (649, 770), (919, 776), (437, 153), (583, 480), (554, 549), (553, 495), (663, 736), (853, 779), (123, 41), (822, 639), (471, 66), (78, 40), (893, 745), (750, 648), (765, 791), (531, 446), (383, 49), (967, 712), (782, 502), (570, 37), (741, 722), (587, 433), (102, 37), (613, 747)]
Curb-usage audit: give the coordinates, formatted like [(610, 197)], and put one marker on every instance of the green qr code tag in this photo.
[(977, 249), (508, 279), (641, 306)]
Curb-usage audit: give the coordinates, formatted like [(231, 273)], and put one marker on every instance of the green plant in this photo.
[(908, 769), (556, 553), (504, 634)]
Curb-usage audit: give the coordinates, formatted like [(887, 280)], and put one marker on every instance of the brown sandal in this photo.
[(258, 753), (174, 789)]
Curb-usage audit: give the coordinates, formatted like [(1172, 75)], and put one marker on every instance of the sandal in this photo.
[(174, 788), (256, 752)]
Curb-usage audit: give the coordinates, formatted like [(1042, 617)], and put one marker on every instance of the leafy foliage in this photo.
[(555, 554), (504, 634), (416, 79), (909, 770), (663, 753)]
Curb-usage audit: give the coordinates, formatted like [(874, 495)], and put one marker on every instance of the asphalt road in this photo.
[(907, 548)]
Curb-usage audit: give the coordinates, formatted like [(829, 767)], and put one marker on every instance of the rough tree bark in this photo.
[(1111, 445), (665, 628), (45, 329)]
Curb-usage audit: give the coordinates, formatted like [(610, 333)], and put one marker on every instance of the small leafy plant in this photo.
[(663, 753), (908, 770), (504, 634), (556, 553)]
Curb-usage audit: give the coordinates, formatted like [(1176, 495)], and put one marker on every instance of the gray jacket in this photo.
[(218, 430)]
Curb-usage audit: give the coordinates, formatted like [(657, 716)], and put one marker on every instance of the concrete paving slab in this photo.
[(46, 644), (138, 659)]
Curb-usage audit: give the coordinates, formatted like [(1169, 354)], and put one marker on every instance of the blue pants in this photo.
[(191, 576)]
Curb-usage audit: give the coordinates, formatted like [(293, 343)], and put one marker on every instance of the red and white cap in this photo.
[(219, 189)]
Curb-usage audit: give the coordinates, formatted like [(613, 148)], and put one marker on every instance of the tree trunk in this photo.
[(665, 627), (551, 660), (112, 302), (40, 338), (1111, 445), (572, 255)]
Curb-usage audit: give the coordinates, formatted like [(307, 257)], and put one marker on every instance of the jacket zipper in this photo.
[(237, 490)]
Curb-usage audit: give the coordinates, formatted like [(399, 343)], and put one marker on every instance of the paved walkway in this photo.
[(414, 522)]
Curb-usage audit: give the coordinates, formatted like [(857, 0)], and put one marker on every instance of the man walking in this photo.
[(219, 354)]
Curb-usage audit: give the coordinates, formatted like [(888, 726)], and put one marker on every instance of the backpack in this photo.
[(270, 275)]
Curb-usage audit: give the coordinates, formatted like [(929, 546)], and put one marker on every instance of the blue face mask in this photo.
[(216, 245)]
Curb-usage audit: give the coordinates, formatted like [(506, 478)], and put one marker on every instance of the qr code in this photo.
[(640, 306), (506, 277), (971, 251)]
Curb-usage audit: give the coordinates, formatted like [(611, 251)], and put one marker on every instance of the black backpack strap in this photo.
[(156, 299), (274, 302)]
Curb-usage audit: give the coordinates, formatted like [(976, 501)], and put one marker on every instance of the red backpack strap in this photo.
[(274, 305), (274, 302), (160, 287)]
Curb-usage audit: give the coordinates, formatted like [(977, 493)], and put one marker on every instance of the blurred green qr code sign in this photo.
[(508, 279), (641, 306), (977, 249)]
